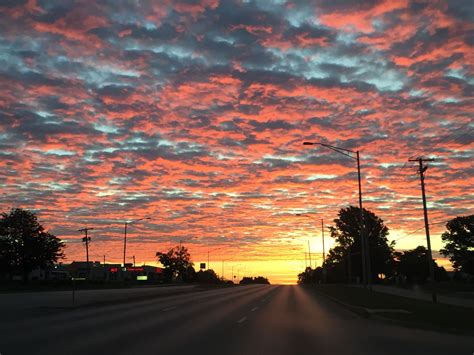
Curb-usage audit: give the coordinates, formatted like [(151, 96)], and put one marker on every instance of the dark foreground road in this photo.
[(242, 320)]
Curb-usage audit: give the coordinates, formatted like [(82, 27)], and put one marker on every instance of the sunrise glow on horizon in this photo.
[(194, 114)]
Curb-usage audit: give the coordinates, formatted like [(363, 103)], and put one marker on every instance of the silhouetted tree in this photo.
[(337, 264), (459, 243), (25, 245), (177, 263), (207, 276), (413, 264), (311, 276), (345, 257), (254, 280), (190, 275)]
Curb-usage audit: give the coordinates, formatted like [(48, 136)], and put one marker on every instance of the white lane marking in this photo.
[(254, 309), (241, 320), (168, 309)]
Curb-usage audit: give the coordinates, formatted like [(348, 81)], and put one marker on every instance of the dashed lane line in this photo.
[(241, 320), (168, 309)]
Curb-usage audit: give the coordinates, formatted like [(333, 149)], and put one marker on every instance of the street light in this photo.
[(223, 260), (322, 235), (232, 270), (366, 268), (125, 236), (238, 272), (208, 250)]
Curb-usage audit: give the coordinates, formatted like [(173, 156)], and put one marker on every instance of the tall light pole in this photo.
[(208, 259), (366, 267), (309, 254), (322, 236), (223, 267), (238, 273), (125, 236), (233, 276)]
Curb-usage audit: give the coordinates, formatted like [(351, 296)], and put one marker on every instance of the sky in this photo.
[(193, 113)]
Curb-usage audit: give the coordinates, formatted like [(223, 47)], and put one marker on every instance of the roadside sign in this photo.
[(203, 265)]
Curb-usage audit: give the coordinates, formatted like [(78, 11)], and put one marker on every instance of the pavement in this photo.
[(256, 319), (28, 304)]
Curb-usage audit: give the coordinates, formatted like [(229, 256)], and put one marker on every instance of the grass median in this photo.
[(418, 313)]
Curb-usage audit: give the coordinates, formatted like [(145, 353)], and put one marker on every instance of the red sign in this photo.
[(135, 269), (113, 269)]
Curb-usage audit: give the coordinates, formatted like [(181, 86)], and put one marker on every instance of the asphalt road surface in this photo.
[(240, 320)]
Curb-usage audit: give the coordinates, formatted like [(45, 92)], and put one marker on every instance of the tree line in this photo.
[(344, 261), (26, 245), (178, 266)]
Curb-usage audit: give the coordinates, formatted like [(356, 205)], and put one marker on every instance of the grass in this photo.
[(422, 314), (447, 288)]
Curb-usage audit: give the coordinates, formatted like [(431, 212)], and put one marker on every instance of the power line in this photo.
[(447, 139)]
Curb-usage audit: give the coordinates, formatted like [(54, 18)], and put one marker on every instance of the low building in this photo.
[(96, 271)]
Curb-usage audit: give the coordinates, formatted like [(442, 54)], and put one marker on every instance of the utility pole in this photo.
[(363, 240), (324, 251), (86, 240), (104, 260), (133, 260), (125, 243), (422, 170), (309, 255), (208, 259), (322, 233)]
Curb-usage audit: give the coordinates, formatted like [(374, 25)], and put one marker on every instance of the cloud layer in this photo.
[(194, 113)]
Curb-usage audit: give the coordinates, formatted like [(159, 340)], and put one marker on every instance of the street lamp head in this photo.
[(308, 143)]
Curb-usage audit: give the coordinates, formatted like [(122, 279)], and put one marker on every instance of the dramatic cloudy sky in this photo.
[(194, 112)]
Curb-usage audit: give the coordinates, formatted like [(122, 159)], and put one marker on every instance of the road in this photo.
[(16, 305), (240, 320)]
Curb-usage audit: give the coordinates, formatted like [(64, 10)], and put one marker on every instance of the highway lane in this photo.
[(33, 302), (241, 320)]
